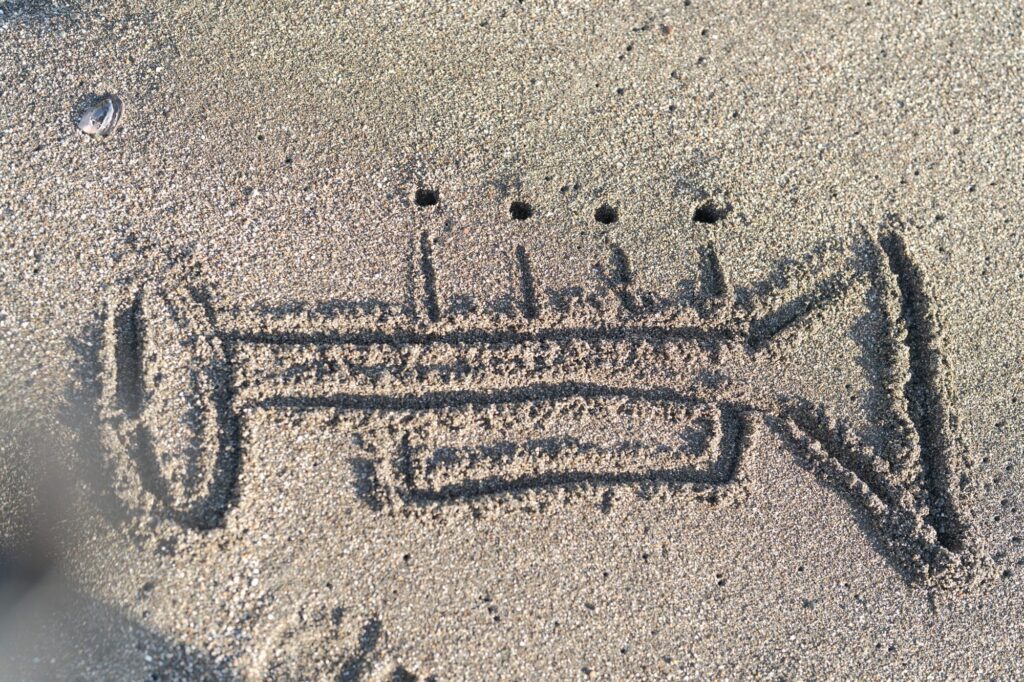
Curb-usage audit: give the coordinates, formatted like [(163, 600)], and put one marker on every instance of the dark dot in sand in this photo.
[(606, 215), (709, 213), (520, 210), (427, 197)]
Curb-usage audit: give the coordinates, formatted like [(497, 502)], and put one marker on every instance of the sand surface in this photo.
[(512, 340)]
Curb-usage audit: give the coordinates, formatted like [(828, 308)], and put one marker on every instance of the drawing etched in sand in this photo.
[(575, 400)]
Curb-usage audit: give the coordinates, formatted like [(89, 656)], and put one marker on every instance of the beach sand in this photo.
[(512, 341)]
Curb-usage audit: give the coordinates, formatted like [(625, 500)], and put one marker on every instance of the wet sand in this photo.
[(511, 341)]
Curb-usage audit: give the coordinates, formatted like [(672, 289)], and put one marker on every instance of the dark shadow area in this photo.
[(527, 285), (927, 395), (712, 291), (29, 514), (364, 481), (433, 400), (606, 214), (520, 210), (80, 416), (710, 213), (619, 278), (429, 277), (427, 197), (38, 10), (354, 667), (58, 633)]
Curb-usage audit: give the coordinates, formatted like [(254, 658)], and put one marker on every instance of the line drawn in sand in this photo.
[(598, 395)]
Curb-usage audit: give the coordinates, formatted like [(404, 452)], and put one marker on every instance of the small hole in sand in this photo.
[(427, 197), (709, 213), (520, 210), (606, 215)]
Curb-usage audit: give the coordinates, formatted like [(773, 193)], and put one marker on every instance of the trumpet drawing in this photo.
[(595, 395)]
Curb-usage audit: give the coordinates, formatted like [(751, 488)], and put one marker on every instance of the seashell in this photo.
[(102, 118)]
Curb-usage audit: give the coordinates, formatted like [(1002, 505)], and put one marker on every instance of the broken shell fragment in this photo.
[(102, 118)]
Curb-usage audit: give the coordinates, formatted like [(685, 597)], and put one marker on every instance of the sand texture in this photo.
[(389, 341)]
